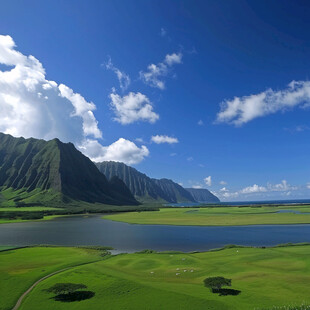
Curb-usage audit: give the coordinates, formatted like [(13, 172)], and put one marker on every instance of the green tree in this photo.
[(216, 283), (65, 288)]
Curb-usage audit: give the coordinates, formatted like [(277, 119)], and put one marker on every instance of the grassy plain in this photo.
[(266, 278), (20, 268), (217, 216)]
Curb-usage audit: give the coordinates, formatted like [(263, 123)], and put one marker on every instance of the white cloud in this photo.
[(122, 150), (223, 182), (190, 158), (155, 73), (123, 78), (197, 186), (173, 154), (200, 122), (139, 140), (33, 106), (208, 180), (253, 189), (241, 110), (173, 59), (224, 189), (164, 139), (308, 185), (132, 108)]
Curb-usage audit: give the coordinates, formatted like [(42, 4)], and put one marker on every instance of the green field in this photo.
[(266, 278), (216, 216), (20, 268)]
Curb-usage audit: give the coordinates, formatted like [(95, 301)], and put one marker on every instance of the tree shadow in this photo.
[(74, 296), (226, 292)]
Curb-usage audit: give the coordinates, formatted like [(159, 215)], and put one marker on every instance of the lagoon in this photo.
[(124, 237)]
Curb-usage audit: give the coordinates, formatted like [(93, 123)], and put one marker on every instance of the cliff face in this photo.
[(143, 187), (31, 164), (202, 195)]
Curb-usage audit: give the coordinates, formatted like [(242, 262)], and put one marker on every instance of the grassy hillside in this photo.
[(266, 278), (217, 216), (38, 171)]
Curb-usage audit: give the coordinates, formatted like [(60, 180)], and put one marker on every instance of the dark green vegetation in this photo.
[(216, 283), (146, 189), (268, 278), (53, 173), (69, 292), (202, 195), (218, 216)]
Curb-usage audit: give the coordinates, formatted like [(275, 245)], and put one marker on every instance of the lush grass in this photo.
[(266, 277), (20, 268), (216, 216)]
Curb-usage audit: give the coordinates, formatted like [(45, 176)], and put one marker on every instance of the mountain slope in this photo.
[(38, 165), (143, 187), (174, 192), (202, 195)]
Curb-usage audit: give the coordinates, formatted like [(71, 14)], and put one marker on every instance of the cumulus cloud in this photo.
[(123, 78), (224, 189), (255, 189), (33, 106), (223, 182), (155, 73), (197, 186), (208, 180), (173, 58), (241, 110), (308, 185), (122, 150), (164, 139), (132, 108)]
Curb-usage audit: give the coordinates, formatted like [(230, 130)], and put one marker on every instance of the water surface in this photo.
[(93, 230)]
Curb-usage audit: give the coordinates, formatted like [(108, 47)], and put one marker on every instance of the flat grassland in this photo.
[(217, 216), (266, 278)]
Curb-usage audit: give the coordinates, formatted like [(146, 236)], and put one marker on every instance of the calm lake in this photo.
[(92, 230)]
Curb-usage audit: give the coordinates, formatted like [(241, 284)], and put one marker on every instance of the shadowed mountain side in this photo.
[(202, 195), (144, 188), (32, 165)]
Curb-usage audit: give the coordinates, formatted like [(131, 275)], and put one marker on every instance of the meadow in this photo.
[(266, 277), (217, 216)]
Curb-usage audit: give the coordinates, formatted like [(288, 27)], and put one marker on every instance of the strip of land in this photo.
[(218, 216)]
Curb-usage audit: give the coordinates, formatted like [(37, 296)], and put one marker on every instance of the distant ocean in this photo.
[(241, 203)]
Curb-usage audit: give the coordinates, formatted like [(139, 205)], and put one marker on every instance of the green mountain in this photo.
[(202, 195), (174, 192), (54, 172), (144, 188)]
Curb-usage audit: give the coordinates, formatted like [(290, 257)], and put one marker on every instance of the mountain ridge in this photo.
[(144, 188), (39, 165)]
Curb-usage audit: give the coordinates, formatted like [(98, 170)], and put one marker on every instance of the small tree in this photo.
[(216, 283), (65, 288)]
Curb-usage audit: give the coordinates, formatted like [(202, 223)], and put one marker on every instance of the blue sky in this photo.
[(218, 96)]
